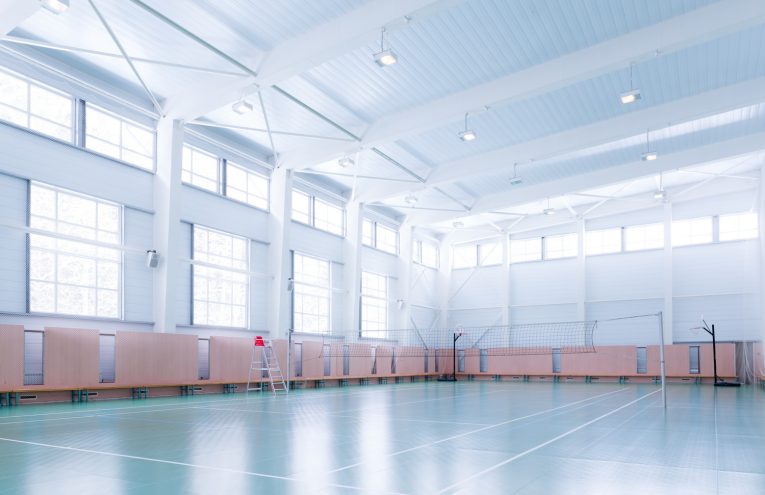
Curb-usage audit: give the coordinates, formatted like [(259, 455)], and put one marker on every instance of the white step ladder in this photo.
[(265, 371)]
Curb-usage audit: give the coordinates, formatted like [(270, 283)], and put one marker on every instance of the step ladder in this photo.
[(265, 371)]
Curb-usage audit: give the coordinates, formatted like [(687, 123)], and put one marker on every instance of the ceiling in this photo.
[(537, 81)]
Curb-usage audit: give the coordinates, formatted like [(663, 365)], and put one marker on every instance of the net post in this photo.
[(289, 359), (661, 361)]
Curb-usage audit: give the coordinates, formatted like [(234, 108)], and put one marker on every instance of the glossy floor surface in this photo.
[(468, 437)]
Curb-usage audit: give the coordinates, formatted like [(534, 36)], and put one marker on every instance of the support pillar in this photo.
[(352, 269), (403, 306), (279, 258), (167, 223), (581, 272)]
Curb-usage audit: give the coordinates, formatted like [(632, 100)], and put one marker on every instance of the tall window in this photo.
[(328, 217), (317, 213), (738, 226), (246, 186), (118, 138), (425, 253), (526, 249), (464, 256), (490, 253), (374, 305), (35, 107), (603, 241), (201, 169), (692, 231), (387, 239), (368, 233), (561, 246), (640, 237), (221, 278), (312, 294), (75, 267)]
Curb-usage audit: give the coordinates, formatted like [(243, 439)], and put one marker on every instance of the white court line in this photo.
[(544, 444), (453, 437), (174, 463)]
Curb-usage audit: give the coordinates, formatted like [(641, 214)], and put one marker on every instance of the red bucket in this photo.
[(259, 341)]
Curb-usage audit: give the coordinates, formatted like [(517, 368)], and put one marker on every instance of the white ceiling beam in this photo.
[(665, 37), (611, 130), (612, 175), (14, 12), (301, 53)]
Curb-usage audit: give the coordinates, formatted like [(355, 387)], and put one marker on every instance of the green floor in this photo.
[(469, 437)]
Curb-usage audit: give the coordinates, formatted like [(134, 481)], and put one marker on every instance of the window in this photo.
[(603, 241), (561, 246), (201, 169), (118, 138), (221, 278), (35, 107), (246, 186), (328, 217), (692, 231), (386, 239), (425, 253), (377, 235), (640, 237), (490, 253), (464, 256), (301, 207), (312, 292), (526, 250), (76, 267), (318, 213), (738, 226), (374, 305), (367, 232)]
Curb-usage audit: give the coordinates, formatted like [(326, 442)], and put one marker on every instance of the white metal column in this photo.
[(403, 310), (279, 223), (581, 272), (352, 268), (667, 311), (167, 222)]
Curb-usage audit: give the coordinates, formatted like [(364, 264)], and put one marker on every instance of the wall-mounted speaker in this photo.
[(152, 258)]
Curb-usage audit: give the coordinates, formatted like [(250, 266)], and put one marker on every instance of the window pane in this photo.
[(374, 305), (692, 231), (246, 186), (328, 217), (561, 246), (464, 256), (490, 253), (312, 294), (68, 276), (429, 254), (221, 285), (31, 105), (526, 249), (201, 169), (301, 207), (367, 229), (603, 241), (387, 239), (738, 226), (639, 237)]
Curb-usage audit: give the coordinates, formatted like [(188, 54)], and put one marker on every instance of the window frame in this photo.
[(527, 240), (375, 244), (97, 244), (30, 82), (312, 200), (383, 302), (587, 236), (631, 228), (417, 250), (205, 264), (737, 233), (693, 238), (296, 289), (122, 121), (219, 180), (230, 163)]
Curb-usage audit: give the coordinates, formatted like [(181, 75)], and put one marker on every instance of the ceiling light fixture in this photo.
[(346, 162), (458, 224), (649, 155), (467, 134), (242, 107), (56, 6), (385, 58), (515, 179), (632, 95), (411, 199)]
